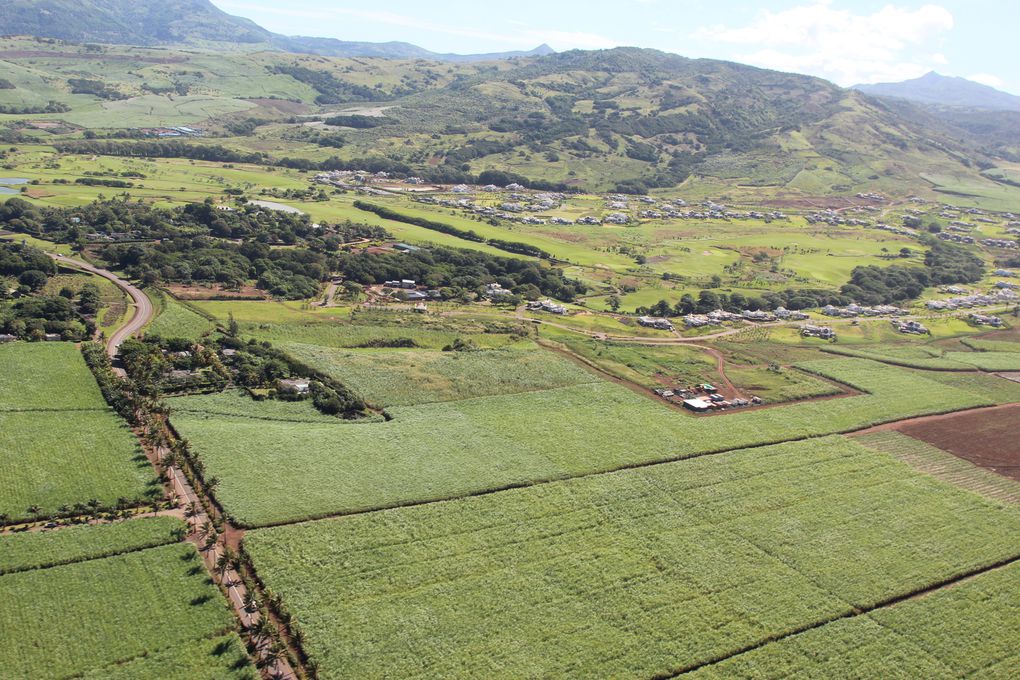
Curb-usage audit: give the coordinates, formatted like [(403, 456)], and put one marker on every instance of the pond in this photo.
[(7, 190), (13, 180)]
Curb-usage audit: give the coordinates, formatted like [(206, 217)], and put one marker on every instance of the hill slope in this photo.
[(933, 88), (190, 22)]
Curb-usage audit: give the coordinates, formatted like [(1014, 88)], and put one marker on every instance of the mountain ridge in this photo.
[(934, 88), (189, 22)]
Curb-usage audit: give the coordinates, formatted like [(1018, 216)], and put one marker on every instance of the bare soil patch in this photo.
[(988, 438), (193, 292)]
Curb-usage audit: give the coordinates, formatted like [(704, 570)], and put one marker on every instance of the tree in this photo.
[(232, 327), (33, 278), (614, 303)]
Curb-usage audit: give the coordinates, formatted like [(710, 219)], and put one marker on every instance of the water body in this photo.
[(271, 205), (13, 180), (8, 190)]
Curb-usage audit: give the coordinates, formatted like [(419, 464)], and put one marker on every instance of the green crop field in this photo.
[(50, 459), (444, 450), (987, 388), (46, 376), (87, 617), (638, 573), (237, 403), (351, 335), (175, 320), (404, 378), (218, 658), (34, 550), (983, 345), (988, 361), (909, 356), (965, 631)]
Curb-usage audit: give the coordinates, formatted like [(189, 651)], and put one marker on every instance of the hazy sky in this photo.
[(846, 41)]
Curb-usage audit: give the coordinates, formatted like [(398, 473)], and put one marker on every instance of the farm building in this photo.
[(652, 322), (697, 405)]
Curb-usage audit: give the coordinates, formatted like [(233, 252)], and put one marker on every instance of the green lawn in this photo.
[(34, 550), (87, 617), (635, 574), (273, 472)]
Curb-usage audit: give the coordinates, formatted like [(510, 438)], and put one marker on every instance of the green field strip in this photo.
[(44, 549), (944, 465)]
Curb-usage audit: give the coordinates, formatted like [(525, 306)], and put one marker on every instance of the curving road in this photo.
[(141, 307)]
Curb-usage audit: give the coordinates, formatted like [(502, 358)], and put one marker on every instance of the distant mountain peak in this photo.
[(935, 88), (182, 22)]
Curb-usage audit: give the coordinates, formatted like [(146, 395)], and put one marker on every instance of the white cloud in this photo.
[(987, 79), (891, 43)]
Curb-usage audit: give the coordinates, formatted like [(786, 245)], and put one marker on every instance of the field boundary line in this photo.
[(852, 614)]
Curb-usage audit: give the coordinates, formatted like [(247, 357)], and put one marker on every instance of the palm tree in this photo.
[(34, 510), (250, 603), (225, 561)]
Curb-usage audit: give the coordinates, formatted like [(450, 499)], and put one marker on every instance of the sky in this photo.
[(845, 41)]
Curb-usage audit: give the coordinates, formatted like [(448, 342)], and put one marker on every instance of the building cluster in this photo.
[(999, 243), (703, 398), (655, 322), (985, 320), (854, 310), (547, 306), (997, 297), (910, 327), (823, 332), (956, 238)]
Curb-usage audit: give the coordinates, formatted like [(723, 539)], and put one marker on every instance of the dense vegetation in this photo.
[(459, 270)]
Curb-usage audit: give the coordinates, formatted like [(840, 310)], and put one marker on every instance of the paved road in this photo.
[(141, 307)]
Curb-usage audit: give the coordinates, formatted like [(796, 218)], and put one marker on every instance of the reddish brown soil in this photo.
[(989, 438), (184, 292)]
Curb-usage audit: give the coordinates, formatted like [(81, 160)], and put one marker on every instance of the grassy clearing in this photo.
[(85, 617), (34, 550), (46, 376), (965, 631), (645, 365), (778, 386), (175, 320), (403, 378), (637, 573), (218, 658), (444, 450)]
